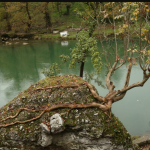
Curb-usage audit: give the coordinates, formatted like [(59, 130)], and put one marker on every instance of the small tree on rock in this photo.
[(86, 46)]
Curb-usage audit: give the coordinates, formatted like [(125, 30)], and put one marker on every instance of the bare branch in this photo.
[(102, 43), (109, 84), (109, 53), (100, 98), (119, 97), (120, 65), (128, 74), (88, 12), (99, 9), (145, 78), (140, 63), (115, 31)]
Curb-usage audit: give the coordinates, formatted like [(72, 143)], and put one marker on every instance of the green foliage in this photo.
[(2, 11), (86, 47), (52, 71), (96, 60), (64, 58), (20, 15)]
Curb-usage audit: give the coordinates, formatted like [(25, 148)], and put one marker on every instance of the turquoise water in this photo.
[(21, 65)]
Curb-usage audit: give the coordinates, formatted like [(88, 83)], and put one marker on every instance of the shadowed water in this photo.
[(21, 65)]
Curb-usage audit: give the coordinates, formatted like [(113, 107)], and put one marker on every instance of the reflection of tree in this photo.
[(18, 64), (35, 66), (15, 70)]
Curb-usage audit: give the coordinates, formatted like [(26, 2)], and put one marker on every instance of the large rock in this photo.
[(75, 129)]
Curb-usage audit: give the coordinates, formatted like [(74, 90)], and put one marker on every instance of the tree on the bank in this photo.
[(21, 17), (86, 46), (4, 17), (68, 6), (58, 7), (43, 7)]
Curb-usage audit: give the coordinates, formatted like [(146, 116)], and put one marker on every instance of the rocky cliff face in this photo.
[(26, 122)]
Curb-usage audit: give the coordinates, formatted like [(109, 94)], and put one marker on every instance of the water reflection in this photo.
[(21, 65)]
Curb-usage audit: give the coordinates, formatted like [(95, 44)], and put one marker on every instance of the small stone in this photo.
[(46, 140), (21, 127), (25, 43), (45, 128), (74, 94), (95, 114), (56, 123), (86, 121)]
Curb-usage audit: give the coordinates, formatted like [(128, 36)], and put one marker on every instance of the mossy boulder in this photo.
[(84, 128)]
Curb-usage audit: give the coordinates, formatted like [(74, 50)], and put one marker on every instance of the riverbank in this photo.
[(56, 36), (51, 36)]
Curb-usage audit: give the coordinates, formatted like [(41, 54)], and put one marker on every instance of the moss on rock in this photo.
[(91, 122)]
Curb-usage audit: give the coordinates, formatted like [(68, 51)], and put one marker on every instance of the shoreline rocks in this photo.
[(142, 141)]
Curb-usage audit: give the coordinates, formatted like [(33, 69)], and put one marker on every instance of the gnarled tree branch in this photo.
[(128, 73), (145, 78), (105, 107), (120, 65), (119, 97), (100, 98), (109, 84)]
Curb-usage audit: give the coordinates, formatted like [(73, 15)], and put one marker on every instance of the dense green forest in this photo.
[(38, 17), (45, 17)]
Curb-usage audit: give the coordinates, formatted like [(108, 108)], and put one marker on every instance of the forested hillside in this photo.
[(45, 17), (38, 17)]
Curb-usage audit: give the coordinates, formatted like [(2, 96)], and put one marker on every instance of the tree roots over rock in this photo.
[(61, 111)]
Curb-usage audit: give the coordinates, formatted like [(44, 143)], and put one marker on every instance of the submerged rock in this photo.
[(34, 126)]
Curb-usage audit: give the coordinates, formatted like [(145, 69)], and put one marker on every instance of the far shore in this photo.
[(50, 36)]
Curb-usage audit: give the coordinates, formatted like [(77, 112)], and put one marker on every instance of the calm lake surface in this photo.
[(21, 66)]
